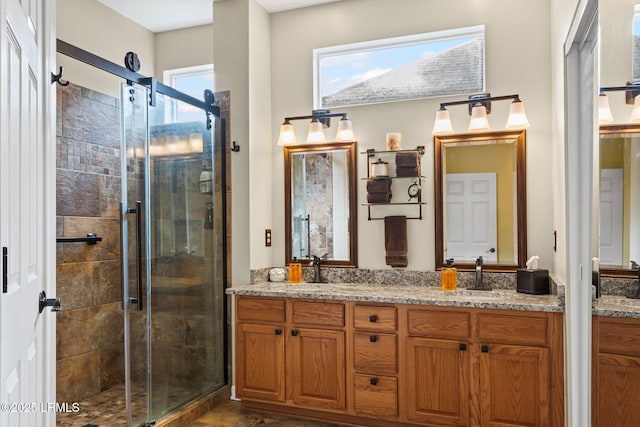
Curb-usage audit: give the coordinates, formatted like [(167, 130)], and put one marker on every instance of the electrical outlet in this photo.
[(267, 237)]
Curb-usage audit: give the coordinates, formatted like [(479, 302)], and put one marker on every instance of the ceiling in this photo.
[(166, 15)]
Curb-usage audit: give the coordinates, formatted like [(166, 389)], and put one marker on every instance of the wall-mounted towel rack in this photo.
[(91, 239)]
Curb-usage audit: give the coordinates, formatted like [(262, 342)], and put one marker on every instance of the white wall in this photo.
[(183, 48), (231, 72), (260, 156), (518, 60), (94, 27)]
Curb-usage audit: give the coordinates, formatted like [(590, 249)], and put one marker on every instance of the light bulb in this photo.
[(635, 114), (287, 134)]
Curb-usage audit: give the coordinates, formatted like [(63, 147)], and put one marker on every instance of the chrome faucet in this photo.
[(479, 286)]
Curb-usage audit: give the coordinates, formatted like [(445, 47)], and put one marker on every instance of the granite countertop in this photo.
[(616, 306), (404, 294)]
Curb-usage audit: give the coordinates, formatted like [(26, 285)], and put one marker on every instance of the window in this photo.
[(193, 81), (449, 62)]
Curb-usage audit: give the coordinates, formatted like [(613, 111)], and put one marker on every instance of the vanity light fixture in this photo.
[(320, 119), (632, 96), (479, 107)]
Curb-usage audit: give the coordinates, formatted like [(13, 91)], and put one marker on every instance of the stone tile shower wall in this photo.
[(89, 329)]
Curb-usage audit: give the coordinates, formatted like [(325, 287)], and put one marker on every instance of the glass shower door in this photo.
[(173, 209)]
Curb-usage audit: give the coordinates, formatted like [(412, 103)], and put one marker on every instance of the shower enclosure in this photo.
[(156, 340), (172, 276)]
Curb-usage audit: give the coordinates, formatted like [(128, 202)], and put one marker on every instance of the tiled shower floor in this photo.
[(108, 408)]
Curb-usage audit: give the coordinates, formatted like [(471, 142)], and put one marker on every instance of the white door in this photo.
[(27, 213), (471, 217), (611, 216)]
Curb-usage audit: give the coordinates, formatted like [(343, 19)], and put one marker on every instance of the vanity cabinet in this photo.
[(483, 367), (437, 364), (388, 365), (375, 360), (616, 371), (291, 351), (260, 345), (515, 369)]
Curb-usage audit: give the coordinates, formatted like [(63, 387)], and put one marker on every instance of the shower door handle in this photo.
[(139, 254), (126, 299)]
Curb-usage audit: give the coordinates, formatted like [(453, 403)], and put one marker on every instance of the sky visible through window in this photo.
[(344, 70), (193, 85)]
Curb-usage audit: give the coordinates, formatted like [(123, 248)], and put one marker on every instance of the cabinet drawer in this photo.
[(376, 396), (513, 329), (439, 324), (260, 310), (325, 314), (375, 353), (375, 318), (619, 336)]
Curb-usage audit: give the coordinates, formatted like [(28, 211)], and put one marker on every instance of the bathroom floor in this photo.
[(231, 414)]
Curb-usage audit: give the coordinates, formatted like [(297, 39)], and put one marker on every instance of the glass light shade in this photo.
[(287, 135), (635, 114), (345, 131), (517, 116), (316, 134), (604, 112), (479, 121), (442, 126)]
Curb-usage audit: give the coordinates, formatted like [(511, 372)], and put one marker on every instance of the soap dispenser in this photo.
[(449, 280), (295, 271)]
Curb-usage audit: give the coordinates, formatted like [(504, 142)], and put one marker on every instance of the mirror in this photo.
[(320, 203), (619, 200), (480, 200)]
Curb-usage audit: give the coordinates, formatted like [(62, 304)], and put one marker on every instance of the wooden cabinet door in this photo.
[(514, 383), (260, 362), (618, 390), (317, 373), (437, 381)]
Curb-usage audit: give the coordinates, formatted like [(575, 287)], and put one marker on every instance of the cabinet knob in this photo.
[(484, 349), (294, 332), (373, 381), (373, 338), (278, 331), (373, 318), (462, 347)]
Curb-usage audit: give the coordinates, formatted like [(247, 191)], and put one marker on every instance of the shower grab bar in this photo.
[(90, 239)]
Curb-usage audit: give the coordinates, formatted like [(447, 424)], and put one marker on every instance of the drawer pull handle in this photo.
[(373, 338), (294, 332), (278, 331), (463, 347), (484, 349), (373, 381), (373, 318)]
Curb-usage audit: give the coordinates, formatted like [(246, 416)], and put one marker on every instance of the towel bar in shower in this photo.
[(91, 239)]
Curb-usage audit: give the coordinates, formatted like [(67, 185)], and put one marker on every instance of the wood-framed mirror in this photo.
[(480, 200), (619, 200), (320, 203)]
